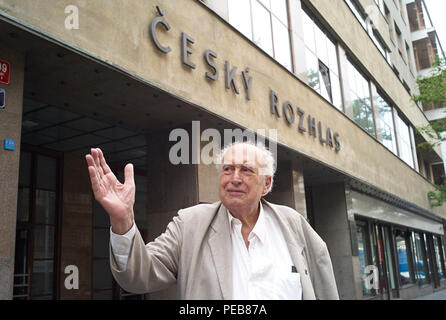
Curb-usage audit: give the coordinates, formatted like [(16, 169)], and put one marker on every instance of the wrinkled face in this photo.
[(241, 185)]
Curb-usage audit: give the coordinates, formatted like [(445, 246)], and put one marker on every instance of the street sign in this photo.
[(5, 68), (9, 144)]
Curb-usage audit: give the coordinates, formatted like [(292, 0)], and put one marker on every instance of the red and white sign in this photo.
[(5, 67)]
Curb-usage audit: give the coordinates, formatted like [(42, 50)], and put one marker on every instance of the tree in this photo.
[(433, 95), (433, 88)]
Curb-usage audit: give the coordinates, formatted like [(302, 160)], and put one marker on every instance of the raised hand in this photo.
[(116, 198)]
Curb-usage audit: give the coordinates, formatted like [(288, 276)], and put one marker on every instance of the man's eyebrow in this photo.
[(249, 165)]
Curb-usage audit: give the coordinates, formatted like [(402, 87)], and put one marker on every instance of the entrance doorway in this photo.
[(37, 226)]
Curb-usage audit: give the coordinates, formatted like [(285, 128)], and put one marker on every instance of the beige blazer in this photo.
[(195, 252)]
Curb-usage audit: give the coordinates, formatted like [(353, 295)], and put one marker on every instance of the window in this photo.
[(420, 261), (404, 141), (380, 4), (402, 257), (321, 61), (439, 254), (363, 254), (399, 40), (385, 131), (388, 254), (402, 243), (379, 43), (390, 22), (358, 12), (265, 22), (427, 170), (36, 244), (408, 57), (357, 98)]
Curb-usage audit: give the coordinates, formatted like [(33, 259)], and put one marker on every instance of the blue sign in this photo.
[(9, 144)]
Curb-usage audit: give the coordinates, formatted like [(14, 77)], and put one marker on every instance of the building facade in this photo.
[(328, 84), (427, 48)]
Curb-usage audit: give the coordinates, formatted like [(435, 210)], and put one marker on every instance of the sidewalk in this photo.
[(440, 295)]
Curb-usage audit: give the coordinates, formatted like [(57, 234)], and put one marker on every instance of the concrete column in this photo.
[(208, 180), (169, 188), (331, 223), (76, 237), (289, 188), (10, 128)]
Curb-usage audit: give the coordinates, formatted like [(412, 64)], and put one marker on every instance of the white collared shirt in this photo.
[(264, 270)]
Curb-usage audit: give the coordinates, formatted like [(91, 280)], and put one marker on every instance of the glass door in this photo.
[(36, 231), (390, 258)]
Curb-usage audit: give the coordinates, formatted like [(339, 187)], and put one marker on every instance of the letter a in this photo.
[(72, 281), (72, 20)]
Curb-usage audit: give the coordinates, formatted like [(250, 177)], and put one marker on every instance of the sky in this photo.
[(437, 10)]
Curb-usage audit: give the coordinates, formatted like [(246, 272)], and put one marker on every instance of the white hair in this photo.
[(268, 168)]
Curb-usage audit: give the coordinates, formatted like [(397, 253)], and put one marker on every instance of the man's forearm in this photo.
[(122, 226), (121, 245)]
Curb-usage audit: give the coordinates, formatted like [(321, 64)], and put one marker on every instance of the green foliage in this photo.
[(433, 94), (438, 197), (433, 88)]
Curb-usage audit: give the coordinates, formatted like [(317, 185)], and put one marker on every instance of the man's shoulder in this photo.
[(297, 222), (199, 211), (287, 212)]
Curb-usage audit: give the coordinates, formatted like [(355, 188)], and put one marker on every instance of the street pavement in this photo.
[(440, 295)]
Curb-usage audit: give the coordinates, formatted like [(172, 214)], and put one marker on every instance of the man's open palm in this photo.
[(116, 198)]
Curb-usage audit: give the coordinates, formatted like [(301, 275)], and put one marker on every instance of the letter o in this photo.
[(287, 110)]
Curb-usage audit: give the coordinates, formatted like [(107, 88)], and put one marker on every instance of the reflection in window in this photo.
[(402, 250), (404, 144), (265, 22), (438, 257), (240, 16), (358, 106), (385, 131), (363, 255), (42, 280), (262, 27), (324, 76), (321, 61), (420, 264), (388, 256), (441, 252)]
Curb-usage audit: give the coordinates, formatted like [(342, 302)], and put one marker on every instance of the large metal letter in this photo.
[(287, 106), (230, 73), (274, 103), (248, 83), (301, 114), (211, 64), (185, 50), (153, 24)]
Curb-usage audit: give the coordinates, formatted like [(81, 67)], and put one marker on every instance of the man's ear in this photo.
[(266, 185)]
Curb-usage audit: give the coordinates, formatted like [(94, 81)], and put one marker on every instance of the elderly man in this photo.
[(241, 247)]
